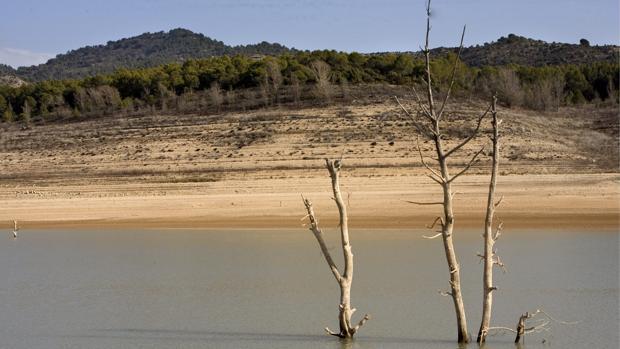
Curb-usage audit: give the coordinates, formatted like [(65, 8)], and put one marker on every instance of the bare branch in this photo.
[(556, 320), (438, 178), (498, 231), (438, 181), (432, 237), (427, 56), (423, 203), (540, 327), (452, 78), (495, 205), (421, 105), (471, 162), (422, 129), (471, 136), (403, 107), (444, 293), (331, 333), (361, 323), (499, 328), (318, 234), (499, 263), (438, 219)]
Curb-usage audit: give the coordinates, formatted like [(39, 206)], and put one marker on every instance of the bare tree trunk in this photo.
[(427, 122), (453, 265), (448, 215), (347, 330), (447, 226), (521, 327), (489, 236)]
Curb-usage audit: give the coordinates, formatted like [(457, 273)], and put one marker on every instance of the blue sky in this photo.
[(32, 31)]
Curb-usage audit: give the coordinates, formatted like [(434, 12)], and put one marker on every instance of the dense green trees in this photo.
[(143, 51), (215, 80)]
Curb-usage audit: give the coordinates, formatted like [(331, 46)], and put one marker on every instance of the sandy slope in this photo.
[(248, 169), (585, 201)]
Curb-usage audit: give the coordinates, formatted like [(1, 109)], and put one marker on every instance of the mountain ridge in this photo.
[(141, 51), (515, 49), (177, 45)]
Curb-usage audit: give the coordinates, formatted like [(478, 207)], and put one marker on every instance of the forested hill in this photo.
[(154, 49), (146, 50), (515, 49)]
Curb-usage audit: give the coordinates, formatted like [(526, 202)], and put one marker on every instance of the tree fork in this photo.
[(347, 329)]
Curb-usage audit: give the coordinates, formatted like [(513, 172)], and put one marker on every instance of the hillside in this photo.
[(153, 49), (515, 49), (369, 130), (247, 168), (146, 50)]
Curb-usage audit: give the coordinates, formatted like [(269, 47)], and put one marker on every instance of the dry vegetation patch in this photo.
[(283, 142)]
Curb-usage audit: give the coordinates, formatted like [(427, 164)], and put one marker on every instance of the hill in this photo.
[(146, 50), (368, 129), (177, 45), (520, 50)]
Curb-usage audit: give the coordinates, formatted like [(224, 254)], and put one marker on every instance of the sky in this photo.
[(32, 31)]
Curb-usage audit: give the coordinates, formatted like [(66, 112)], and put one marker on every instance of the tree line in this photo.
[(198, 85)]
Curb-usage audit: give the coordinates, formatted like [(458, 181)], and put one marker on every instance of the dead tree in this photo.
[(539, 326), (521, 326), (538, 321), (15, 229), (490, 257), (347, 330), (428, 120)]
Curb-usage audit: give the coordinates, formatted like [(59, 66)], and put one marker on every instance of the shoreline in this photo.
[(553, 222), (552, 202)]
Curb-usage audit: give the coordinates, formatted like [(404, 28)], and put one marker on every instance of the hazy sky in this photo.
[(32, 31)]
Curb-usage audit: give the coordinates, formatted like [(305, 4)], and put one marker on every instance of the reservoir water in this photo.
[(273, 289)]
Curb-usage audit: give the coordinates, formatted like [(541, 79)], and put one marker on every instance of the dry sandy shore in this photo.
[(248, 169), (566, 202)]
